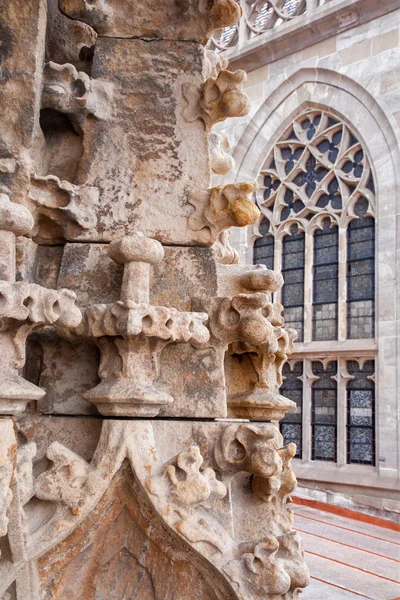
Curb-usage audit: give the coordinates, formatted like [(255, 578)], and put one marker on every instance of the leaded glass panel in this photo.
[(263, 252), (324, 412), (325, 282), (361, 413), (292, 388), (293, 248), (361, 274)]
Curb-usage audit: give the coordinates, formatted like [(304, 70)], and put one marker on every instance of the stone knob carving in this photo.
[(136, 252), (262, 279), (136, 248), (14, 218)]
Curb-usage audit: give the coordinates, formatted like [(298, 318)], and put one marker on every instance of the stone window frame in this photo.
[(339, 218), (379, 133)]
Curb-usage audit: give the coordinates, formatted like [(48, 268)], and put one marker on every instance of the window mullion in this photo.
[(278, 265), (342, 286), (308, 283)]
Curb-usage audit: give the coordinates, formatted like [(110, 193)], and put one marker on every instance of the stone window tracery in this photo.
[(317, 198)]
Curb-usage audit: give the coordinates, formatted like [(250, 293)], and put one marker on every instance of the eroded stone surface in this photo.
[(137, 307)]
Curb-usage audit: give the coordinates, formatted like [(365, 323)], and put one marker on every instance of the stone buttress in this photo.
[(140, 364)]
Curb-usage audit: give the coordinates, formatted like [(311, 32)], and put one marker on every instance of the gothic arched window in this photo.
[(317, 199)]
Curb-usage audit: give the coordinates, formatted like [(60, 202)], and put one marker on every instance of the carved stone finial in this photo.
[(131, 334), (252, 325)]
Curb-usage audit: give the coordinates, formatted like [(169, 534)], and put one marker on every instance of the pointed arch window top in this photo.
[(317, 166)]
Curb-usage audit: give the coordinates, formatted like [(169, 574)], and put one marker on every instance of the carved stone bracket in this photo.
[(131, 334)]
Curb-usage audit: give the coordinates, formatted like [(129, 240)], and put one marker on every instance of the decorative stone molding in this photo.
[(61, 209), (131, 334), (68, 481), (197, 20), (220, 98), (188, 486), (75, 93), (221, 161), (191, 501), (223, 207)]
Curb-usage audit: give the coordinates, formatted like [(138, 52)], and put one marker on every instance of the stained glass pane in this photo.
[(325, 286), (361, 413), (293, 248), (361, 274), (263, 251), (324, 412), (291, 424)]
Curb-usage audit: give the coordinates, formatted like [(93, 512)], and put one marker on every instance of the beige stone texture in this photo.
[(386, 41), (321, 49), (129, 467), (356, 53)]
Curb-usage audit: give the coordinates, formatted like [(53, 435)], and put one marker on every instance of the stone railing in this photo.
[(262, 17)]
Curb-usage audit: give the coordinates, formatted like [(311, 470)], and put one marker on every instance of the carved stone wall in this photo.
[(319, 91), (140, 362)]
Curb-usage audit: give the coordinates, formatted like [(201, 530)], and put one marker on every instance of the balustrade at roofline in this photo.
[(314, 24)]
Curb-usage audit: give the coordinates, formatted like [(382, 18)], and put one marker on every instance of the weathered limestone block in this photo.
[(23, 24), (195, 20), (24, 307), (131, 334), (94, 508), (145, 157), (107, 132)]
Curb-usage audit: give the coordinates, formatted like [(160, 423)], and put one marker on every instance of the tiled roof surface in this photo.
[(348, 559)]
